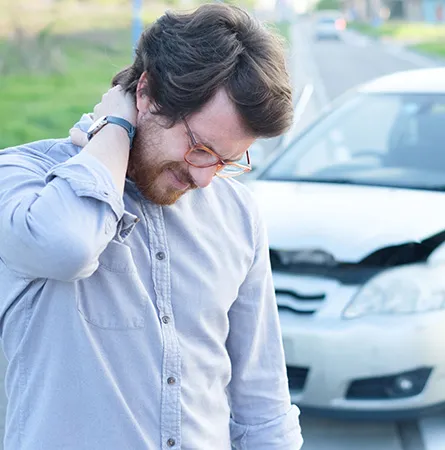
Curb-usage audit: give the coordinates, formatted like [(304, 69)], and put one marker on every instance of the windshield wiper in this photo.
[(316, 180), (440, 188)]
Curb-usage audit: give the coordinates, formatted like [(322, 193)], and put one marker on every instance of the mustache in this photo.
[(182, 175), (149, 174)]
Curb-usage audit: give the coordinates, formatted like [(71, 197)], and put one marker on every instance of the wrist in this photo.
[(116, 133), (116, 123)]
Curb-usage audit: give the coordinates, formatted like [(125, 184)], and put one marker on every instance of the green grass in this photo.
[(402, 30), (38, 106), (365, 28), (424, 37), (58, 68), (434, 48)]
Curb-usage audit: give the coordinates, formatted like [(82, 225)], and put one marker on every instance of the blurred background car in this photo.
[(329, 27), (355, 209)]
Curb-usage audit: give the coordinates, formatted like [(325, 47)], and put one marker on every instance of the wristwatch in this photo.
[(100, 123)]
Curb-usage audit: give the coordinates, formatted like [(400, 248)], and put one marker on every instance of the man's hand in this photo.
[(115, 102), (78, 137)]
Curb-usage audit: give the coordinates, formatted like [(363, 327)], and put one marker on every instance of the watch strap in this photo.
[(131, 130)]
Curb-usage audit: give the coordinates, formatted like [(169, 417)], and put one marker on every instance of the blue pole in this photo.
[(137, 22)]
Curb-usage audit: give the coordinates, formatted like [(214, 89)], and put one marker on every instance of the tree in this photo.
[(323, 5)]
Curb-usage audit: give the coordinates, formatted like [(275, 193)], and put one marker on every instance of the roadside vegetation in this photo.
[(57, 58), (423, 37)]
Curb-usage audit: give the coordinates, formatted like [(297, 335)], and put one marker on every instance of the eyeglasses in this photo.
[(201, 156)]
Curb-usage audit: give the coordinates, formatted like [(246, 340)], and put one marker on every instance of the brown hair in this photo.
[(188, 57)]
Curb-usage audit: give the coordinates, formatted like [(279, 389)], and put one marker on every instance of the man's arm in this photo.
[(56, 219), (111, 148), (262, 415)]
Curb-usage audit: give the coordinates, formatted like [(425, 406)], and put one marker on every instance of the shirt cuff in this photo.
[(88, 177), (282, 433), (125, 226)]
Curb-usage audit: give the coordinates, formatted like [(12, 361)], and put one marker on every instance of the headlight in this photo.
[(407, 290)]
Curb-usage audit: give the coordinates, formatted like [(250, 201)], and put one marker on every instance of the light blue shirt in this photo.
[(130, 326)]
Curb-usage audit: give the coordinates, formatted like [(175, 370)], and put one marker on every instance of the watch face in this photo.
[(96, 126)]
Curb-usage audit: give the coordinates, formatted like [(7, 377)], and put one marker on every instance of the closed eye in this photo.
[(199, 150)]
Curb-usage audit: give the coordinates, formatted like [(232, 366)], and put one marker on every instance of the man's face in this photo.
[(157, 163)]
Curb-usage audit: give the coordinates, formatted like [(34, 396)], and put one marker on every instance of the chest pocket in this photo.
[(114, 296)]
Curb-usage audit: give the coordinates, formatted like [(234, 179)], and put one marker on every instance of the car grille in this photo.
[(297, 377), (320, 271), (299, 303)]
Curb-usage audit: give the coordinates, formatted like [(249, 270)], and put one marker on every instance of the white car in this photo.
[(329, 27), (355, 209)]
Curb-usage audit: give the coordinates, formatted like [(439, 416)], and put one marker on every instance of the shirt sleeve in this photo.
[(262, 415), (88, 177), (58, 217)]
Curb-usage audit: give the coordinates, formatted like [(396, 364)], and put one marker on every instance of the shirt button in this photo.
[(171, 380), (171, 442), (166, 319), (160, 256)]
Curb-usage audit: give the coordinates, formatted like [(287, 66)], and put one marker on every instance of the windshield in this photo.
[(379, 139)]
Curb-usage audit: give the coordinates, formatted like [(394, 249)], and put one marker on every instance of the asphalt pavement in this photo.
[(333, 67), (326, 70)]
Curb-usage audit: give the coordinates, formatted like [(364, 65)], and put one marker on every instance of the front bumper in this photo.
[(326, 355)]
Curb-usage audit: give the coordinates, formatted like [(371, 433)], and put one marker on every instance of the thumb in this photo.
[(78, 137)]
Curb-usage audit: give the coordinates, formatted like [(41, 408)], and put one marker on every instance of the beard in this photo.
[(146, 166)]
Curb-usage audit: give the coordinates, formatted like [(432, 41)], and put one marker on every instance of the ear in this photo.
[(142, 99)]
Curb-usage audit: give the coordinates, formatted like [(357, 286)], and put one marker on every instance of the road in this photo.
[(331, 68)]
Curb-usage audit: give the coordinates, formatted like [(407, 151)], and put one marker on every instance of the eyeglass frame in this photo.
[(220, 162)]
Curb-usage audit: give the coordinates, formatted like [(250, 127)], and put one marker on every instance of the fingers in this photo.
[(78, 137), (96, 111), (116, 102)]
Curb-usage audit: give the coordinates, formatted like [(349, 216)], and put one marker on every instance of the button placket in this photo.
[(171, 365)]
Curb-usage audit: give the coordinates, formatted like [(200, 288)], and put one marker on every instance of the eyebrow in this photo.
[(210, 146)]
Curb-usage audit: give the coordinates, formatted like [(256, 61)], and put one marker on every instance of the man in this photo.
[(135, 317)]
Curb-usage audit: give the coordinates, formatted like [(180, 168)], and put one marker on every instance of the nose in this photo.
[(202, 176)]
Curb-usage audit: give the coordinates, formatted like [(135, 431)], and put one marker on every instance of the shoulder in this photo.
[(44, 153), (233, 199), (238, 195)]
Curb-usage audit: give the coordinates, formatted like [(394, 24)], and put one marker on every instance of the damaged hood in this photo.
[(349, 222)]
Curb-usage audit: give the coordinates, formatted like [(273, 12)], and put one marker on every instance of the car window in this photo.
[(391, 139)]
